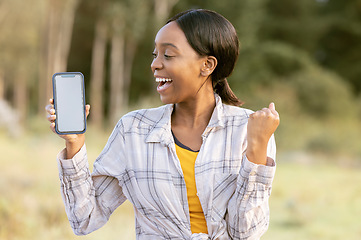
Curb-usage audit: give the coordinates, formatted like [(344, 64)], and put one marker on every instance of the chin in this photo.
[(167, 100)]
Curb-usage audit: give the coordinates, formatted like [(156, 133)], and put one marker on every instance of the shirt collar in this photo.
[(161, 132), (217, 118)]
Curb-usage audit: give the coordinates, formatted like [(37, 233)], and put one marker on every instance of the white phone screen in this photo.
[(69, 103)]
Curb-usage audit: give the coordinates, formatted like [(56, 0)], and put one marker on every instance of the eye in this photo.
[(167, 56), (154, 54)]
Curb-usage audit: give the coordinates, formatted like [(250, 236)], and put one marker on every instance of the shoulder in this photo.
[(234, 111), (235, 116)]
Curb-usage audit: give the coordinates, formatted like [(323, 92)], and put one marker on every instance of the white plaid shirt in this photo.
[(139, 163)]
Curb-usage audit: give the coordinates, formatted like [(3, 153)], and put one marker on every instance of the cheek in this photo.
[(186, 74)]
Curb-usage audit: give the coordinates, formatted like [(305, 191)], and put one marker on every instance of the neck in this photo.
[(194, 113)]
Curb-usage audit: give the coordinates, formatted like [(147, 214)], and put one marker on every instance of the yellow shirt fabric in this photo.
[(187, 160)]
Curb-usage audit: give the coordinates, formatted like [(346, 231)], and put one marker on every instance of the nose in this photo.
[(156, 64)]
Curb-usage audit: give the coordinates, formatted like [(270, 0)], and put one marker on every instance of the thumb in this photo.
[(272, 106)]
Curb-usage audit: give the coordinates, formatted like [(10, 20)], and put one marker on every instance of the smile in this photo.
[(164, 83), (163, 80)]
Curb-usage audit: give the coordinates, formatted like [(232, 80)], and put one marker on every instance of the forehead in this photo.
[(171, 34)]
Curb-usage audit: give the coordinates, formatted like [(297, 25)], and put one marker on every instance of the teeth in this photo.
[(163, 80)]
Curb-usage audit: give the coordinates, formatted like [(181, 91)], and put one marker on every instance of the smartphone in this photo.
[(69, 102)]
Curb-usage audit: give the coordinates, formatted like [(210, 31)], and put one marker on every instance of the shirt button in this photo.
[(252, 173), (198, 194)]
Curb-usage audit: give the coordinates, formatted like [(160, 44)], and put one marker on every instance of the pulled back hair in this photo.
[(211, 34)]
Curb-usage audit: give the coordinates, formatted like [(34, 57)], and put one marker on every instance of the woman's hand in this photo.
[(261, 125), (73, 142)]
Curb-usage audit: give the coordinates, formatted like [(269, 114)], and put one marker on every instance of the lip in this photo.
[(157, 76), (162, 87)]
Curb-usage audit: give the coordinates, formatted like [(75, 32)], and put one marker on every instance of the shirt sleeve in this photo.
[(90, 199), (248, 209)]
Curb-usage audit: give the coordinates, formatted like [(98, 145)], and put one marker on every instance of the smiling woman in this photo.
[(199, 167), (175, 60), (213, 35)]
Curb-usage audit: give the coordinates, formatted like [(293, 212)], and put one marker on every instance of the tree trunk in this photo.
[(129, 55), (67, 17), (2, 85), (116, 77), (21, 96), (57, 36), (162, 9), (97, 73)]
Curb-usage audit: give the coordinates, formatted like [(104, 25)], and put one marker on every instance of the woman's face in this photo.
[(176, 66)]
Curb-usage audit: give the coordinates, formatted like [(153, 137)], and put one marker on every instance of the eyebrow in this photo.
[(167, 44)]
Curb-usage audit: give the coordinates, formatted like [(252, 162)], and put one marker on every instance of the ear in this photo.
[(208, 66)]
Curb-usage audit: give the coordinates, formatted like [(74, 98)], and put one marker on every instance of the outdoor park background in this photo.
[(303, 55)]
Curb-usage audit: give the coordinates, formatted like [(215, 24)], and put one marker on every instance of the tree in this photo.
[(130, 21), (98, 69), (18, 44), (340, 43), (57, 33)]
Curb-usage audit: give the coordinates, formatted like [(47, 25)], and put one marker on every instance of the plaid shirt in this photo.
[(139, 163)]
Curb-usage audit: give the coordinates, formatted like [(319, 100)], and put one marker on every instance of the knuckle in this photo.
[(262, 113)]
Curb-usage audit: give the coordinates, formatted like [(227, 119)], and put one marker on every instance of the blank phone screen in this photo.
[(69, 103)]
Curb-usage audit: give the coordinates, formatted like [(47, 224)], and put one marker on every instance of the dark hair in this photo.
[(211, 34)]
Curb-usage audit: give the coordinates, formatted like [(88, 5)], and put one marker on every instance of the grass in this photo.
[(30, 202), (310, 200), (315, 201)]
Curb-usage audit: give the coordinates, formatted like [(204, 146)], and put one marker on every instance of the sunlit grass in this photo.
[(31, 206), (310, 200), (315, 201)]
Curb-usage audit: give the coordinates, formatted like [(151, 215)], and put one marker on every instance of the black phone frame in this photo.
[(55, 103)]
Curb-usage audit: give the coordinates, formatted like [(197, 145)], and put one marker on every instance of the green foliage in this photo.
[(341, 45), (323, 94), (316, 105), (293, 22), (269, 62), (303, 55), (318, 90)]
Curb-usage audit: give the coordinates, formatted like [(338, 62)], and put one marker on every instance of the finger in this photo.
[(87, 109), (51, 118), (272, 106), (52, 127), (252, 115), (47, 107), (50, 109), (51, 101)]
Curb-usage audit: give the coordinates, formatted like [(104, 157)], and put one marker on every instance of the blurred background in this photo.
[(303, 55)]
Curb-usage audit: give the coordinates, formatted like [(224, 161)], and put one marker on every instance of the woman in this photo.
[(195, 168)]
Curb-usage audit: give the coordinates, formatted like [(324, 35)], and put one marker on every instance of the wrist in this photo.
[(73, 146), (257, 152)]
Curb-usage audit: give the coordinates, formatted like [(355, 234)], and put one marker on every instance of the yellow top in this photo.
[(187, 159)]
